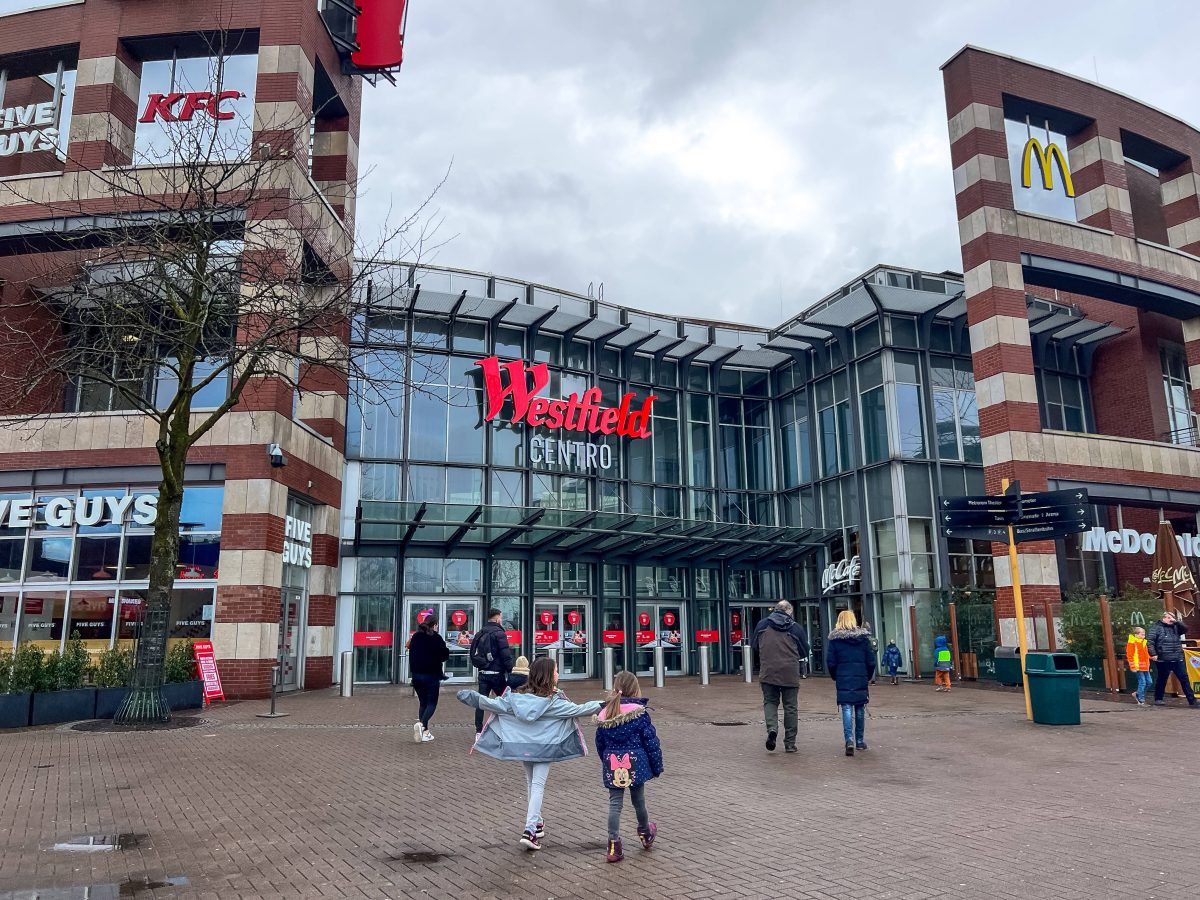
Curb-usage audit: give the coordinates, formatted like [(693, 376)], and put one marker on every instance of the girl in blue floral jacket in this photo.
[(630, 755)]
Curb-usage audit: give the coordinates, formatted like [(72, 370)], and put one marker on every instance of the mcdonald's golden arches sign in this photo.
[(1046, 160)]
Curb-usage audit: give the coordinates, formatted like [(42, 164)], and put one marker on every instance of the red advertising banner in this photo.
[(735, 636), (707, 637), (542, 638), (614, 637), (644, 637), (206, 663), (372, 639), (514, 638)]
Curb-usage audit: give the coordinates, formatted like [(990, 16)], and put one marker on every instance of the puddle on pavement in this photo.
[(420, 856), (105, 726), (101, 843), (727, 724), (130, 887)]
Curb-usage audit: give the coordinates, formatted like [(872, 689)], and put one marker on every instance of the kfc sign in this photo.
[(178, 107), (572, 414)]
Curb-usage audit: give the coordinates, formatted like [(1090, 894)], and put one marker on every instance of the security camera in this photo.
[(275, 452)]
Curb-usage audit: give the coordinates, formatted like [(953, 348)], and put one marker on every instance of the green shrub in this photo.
[(1082, 623), (113, 668), (180, 664), (6, 666), (29, 669), (72, 664)]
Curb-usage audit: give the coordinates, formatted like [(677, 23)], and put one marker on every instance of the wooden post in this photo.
[(1111, 679), (916, 645), (1050, 627), (954, 641)]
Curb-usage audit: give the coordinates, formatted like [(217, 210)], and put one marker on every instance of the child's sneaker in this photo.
[(529, 840), (647, 835), (418, 730), (614, 850)]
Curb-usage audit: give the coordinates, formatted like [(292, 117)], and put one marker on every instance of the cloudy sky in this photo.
[(727, 159)]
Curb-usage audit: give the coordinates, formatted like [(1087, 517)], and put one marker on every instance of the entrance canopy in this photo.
[(578, 534)]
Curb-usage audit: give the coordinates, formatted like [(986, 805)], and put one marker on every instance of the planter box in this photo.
[(63, 706), (109, 700), (14, 710), (184, 694)]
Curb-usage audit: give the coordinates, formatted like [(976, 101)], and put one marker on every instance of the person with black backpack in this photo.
[(492, 656)]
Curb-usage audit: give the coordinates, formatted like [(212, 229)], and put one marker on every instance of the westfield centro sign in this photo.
[(519, 385)]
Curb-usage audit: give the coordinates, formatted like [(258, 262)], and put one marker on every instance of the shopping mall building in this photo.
[(610, 476)]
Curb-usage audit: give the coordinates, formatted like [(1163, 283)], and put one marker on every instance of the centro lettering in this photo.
[(162, 106), (573, 414)]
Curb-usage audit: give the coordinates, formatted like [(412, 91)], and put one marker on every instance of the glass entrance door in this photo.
[(291, 639), (661, 625), (458, 620), (564, 626)]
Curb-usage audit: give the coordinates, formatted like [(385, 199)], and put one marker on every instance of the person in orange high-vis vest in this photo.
[(1138, 656)]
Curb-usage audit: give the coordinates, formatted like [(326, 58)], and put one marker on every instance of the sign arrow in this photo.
[(1044, 514), (1055, 498), (1049, 531), (980, 519), (979, 503)]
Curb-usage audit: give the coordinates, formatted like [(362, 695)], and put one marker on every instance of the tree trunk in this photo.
[(145, 703)]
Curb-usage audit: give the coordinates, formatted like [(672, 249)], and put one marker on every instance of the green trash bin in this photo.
[(1054, 680), (1008, 665)]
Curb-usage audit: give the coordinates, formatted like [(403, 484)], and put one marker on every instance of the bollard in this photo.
[(609, 668), (347, 673), (552, 653), (703, 648), (274, 683), (747, 662), (660, 667)]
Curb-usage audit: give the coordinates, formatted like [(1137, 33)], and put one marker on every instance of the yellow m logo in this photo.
[(1045, 159)]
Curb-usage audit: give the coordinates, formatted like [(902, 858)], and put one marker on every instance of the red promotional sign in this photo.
[(379, 31), (613, 637), (707, 637), (735, 636), (669, 619), (573, 414), (162, 106), (736, 618), (206, 663), (547, 617), (459, 618), (645, 637), (542, 638), (372, 639), (34, 607), (643, 619), (514, 638), (573, 617)]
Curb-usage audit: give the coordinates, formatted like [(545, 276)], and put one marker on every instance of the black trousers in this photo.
[(426, 687), (1178, 668), (488, 685)]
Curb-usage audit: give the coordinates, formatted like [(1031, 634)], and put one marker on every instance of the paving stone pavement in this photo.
[(958, 797)]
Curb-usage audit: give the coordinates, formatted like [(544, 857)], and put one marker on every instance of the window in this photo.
[(1178, 388), (971, 565), (955, 410), (1054, 201), (445, 400), (795, 440), (910, 421), (833, 424), (45, 100), (1062, 401)]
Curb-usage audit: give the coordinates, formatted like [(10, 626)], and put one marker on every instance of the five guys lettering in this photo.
[(573, 414)]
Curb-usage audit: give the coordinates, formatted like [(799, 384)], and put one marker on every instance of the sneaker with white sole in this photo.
[(541, 830), (529, 840), (418, 731), (426, 737)]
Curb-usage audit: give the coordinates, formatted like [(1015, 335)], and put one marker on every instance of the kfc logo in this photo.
[(163, 106)]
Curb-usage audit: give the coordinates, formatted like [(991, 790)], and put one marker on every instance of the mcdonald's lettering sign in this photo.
[(1045, 159)]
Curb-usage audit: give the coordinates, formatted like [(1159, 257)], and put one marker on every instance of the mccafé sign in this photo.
[(180, 107), (1098, 540), (573, 414)]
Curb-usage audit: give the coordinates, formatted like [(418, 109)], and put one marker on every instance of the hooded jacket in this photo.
[(1137, 654), (491, 641), (1166, 641), (942, 659), (530, 728), (850, 662), (628, 746), (426, 653), (892, 658), (780, 642)]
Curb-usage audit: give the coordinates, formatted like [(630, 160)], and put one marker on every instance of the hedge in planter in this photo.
[(63, 698), (14, 700), (111, 677), (183, 688)]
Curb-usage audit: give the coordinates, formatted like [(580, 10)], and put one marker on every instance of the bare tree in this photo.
[(217, 261)]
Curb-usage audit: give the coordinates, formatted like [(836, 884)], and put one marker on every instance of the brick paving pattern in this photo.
[(958, 797)]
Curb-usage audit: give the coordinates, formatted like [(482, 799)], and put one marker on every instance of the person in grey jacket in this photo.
[(534, 725), (780, 642), (1165, 644)]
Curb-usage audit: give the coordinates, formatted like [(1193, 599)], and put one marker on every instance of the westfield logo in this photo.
[(514, 381)]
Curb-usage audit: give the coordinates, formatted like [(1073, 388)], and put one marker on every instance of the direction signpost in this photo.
[(1011, 518)]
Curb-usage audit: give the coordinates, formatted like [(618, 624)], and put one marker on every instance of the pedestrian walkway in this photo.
[(958, 797)]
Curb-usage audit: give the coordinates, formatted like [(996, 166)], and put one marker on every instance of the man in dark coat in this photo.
[(781, 643), (492, 656), (1165, 644)]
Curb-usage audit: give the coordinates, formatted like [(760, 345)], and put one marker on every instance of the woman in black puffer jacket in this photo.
[(851, 664)]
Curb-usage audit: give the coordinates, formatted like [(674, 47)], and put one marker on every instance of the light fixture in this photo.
[(101, 574)]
